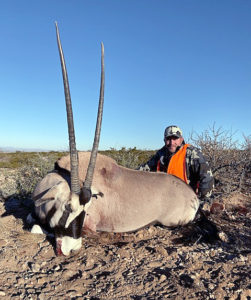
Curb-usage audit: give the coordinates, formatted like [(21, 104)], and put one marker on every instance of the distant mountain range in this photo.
[(14, 149)]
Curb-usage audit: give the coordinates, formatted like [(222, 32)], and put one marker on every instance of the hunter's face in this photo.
[(172, 142)]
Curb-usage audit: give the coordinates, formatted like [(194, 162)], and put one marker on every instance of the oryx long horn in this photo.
[(92, 162), (75, 186)]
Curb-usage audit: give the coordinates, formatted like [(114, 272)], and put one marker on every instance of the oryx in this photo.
[(91, 191)]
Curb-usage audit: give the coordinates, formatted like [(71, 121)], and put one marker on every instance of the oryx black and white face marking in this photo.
[(61, 212), (65, 224), (68, 232)]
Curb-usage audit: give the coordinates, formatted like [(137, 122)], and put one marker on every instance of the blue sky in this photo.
[(167, 62)]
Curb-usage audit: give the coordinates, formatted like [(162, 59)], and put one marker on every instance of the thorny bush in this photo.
[(229, 161)]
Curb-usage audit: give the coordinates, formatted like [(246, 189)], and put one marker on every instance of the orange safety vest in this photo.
[(177, 164)]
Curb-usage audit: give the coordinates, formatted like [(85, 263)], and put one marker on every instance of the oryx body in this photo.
[(122, 199)]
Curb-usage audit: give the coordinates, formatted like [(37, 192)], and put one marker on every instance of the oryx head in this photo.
[(68, 230)]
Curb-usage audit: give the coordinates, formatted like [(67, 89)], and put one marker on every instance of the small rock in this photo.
[(2, 293), (231, 285), (211, 286), (206, 207), (85, 275), (69, 273), (154, 264), (162, 278), (151, 230), (90, 263), (223, 237), (140, 236), (42, 280), (57, 268), (243, 258), (34, 267), (20, 280)]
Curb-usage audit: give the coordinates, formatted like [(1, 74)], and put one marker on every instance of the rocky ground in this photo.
[(153, 263)]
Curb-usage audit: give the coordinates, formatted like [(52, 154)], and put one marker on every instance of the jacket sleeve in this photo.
[(151, 165), (200, 173)]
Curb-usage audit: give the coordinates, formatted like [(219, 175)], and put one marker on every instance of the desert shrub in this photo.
[(130, 158), (35, 168), (8, 185), (23, 170), (230, 162)]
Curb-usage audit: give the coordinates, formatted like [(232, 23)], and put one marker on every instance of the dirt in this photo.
[(152, 263)]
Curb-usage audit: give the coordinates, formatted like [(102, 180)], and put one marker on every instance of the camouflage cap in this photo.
[(173, 130)]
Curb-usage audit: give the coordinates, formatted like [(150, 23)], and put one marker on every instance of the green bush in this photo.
[(130, 158)]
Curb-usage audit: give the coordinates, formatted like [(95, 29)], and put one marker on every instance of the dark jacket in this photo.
[(198, 171)]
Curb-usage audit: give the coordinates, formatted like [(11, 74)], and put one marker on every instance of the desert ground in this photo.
[(152, 263)]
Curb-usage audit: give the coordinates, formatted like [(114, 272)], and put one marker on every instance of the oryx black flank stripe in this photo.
[(41, 195)]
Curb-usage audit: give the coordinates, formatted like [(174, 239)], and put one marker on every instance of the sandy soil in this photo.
[(153, 263)]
